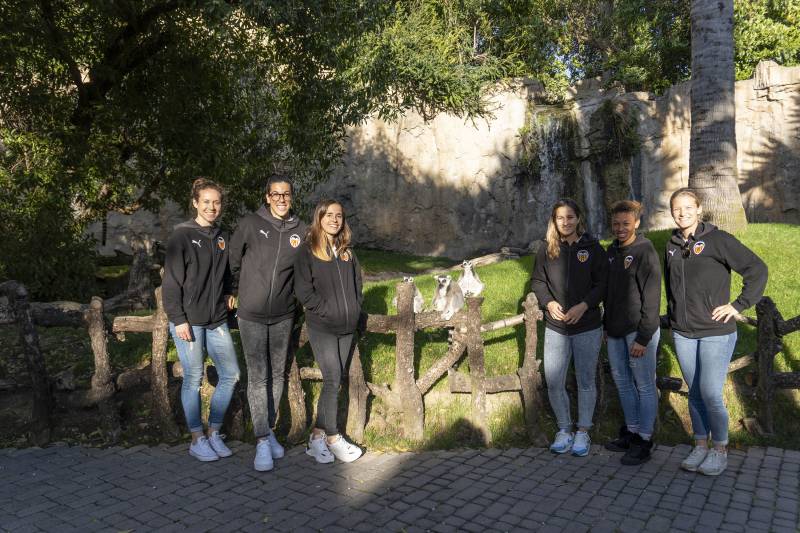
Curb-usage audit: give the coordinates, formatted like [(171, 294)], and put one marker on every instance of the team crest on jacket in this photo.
[(294, 240), (698, 247), (583, 255), (628, 261), (221, 243)]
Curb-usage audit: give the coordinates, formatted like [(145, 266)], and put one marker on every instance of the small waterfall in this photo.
[(593, 200)]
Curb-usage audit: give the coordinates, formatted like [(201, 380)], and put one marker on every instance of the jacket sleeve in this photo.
[(752, 269), (304, 282), (358, 279), (667, 286), (237, 251), (174, 279), (648, 279), (599, 278), (539, 284)]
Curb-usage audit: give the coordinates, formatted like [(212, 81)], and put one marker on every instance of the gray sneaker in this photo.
[(715, 463), (695, 459), (202, 450), (218, 445), (275, 447)]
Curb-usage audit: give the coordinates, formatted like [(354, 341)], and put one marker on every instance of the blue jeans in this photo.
[(704, 363), (635, 378), (220, 348), (558, 351)]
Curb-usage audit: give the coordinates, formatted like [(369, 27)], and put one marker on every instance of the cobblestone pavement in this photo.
[(63, 488)]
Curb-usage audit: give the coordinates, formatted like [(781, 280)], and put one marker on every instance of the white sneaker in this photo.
[(275, 446), (580, 446), (715, 463), (263, 460), (218, 445), (344, 451), (202, 450), (318, 450), (563, 442), (695, 459)]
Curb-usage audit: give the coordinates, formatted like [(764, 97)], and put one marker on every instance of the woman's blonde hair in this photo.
[(685, 191), (317, 239), (552, 237)]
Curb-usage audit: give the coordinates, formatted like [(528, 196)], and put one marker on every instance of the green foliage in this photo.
[(766, 29)]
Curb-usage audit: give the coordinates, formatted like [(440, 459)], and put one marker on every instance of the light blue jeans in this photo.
[(704, 364), (635, 378), (220, 348), (559, 349)]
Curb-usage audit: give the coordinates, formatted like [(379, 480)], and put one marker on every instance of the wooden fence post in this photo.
[(530, 378), (477, 370), (103, 389), (295, 394), (159, 380), (41, 422), (357, 393), (410, 398), (768, 345)]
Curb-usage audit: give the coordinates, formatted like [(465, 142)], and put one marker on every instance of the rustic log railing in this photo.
[(405, 394)]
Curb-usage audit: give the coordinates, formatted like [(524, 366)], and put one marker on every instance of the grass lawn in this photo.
[(507, 284)]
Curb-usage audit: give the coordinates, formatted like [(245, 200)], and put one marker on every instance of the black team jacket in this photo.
[(330, 291), (196, 275), (577, 275), (633, 294), (263, 250), (698, 279)]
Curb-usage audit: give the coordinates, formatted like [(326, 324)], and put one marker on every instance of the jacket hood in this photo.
[(640, 239), (704, 228), (192, 224), (280, 224)]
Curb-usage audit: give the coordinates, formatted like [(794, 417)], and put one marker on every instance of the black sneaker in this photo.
[(639, 452), (621, 443)]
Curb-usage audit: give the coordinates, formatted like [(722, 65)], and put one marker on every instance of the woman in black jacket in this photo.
[(328, 284), (569, 280), (698, 263), (196, 285), (263, 250)]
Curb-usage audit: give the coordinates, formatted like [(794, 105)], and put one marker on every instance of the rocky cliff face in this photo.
[(454, 187)]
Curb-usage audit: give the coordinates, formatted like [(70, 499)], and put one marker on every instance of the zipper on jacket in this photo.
[(344, 296), (274, 271), (683, 288)]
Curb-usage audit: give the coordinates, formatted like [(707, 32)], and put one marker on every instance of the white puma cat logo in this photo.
[(198, 243), (266, 233), (671, 252)]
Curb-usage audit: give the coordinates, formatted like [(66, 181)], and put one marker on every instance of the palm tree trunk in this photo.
[(713, 173)]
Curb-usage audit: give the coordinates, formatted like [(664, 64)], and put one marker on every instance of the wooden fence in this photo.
[(404, 395)]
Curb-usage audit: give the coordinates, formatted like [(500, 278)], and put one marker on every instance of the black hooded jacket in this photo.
[(263, 250), (330, 291), (633, 295), (698, 279), (577, 275), (196, 275)]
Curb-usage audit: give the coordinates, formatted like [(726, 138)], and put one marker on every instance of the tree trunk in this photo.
[(41, 422), (297, 398), (140, 286), (103, 390), (159, 381), (713, 172)]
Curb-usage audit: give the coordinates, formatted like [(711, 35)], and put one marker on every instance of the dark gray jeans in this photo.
[(332, 353), (265, 348)]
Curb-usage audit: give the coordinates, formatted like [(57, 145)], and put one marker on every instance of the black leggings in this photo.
[(332, 353)]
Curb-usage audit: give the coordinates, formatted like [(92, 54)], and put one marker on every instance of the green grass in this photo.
[(447, 416)]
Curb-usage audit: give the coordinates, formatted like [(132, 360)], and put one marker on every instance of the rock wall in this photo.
[(454, 187)]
